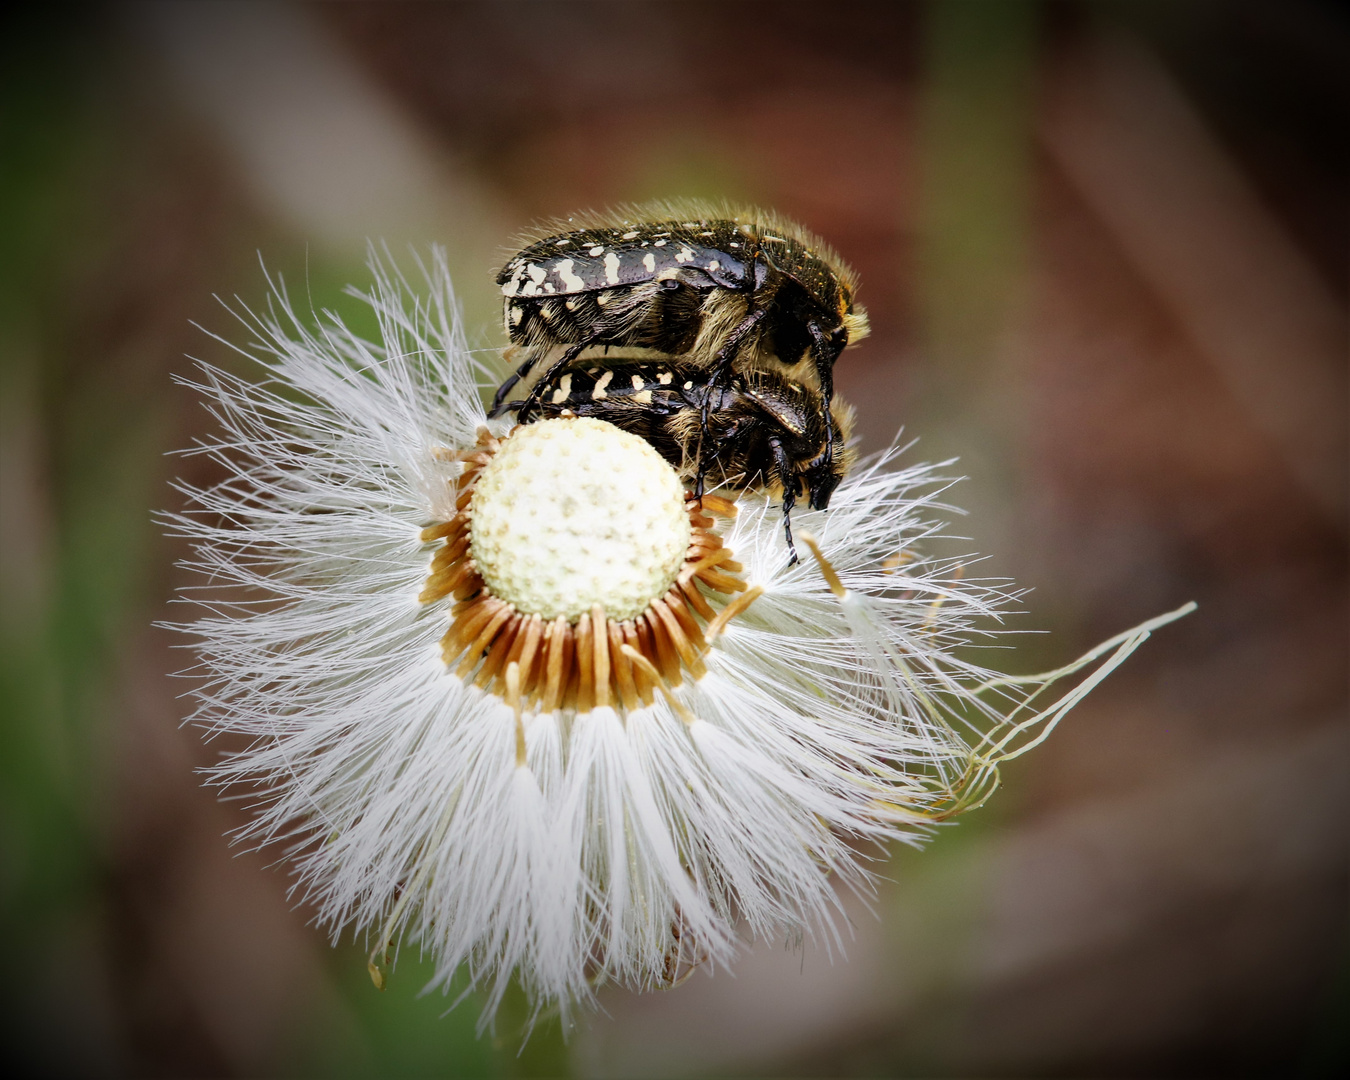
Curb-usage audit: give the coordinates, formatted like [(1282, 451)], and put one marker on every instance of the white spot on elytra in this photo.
[(664, 378), (684, 255), (630, 235), (689, 386), (643, 397), (637, 382), (571, 282), (612, 268), (714, 265), (512, 287), (599, 392), (564, 390), (659, 243), (597, 250), (649, 261)]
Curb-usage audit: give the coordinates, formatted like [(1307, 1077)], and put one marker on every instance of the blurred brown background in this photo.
[(1104, 247)]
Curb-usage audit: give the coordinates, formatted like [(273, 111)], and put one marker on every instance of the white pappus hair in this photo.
[(628, 844)]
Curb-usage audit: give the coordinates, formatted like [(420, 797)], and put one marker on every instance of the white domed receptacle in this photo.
[(571, 513)]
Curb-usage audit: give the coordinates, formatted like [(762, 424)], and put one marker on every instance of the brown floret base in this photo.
[(580, 665)]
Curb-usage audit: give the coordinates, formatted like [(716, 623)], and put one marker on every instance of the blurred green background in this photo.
[(1104, 248)]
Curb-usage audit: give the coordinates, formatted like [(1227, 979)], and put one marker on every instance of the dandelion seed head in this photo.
[(571, 513), (685, 742)]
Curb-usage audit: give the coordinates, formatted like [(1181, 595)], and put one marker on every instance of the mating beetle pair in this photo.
[(726, 330)]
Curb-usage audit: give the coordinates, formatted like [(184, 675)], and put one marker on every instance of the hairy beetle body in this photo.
[(764, 428), (719, 295), (681, 287)]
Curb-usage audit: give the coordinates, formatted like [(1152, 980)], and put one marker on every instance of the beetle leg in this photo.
[(827, 352), (509, 385), (786, 477), (721, 372), (721, 365), (531, 401)]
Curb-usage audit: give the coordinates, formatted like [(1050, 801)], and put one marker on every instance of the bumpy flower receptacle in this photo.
[(568, 514), (573, 548)]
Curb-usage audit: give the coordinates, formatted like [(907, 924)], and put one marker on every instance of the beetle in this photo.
[(717, 290), (763, 427)]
